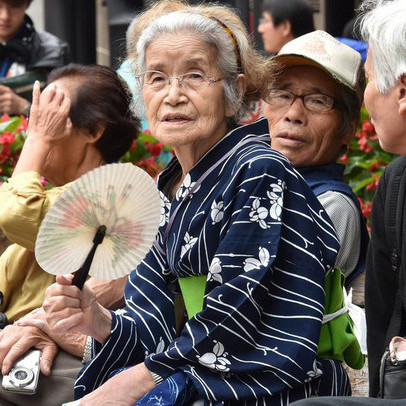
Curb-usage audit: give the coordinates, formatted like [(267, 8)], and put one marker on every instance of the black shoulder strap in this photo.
[(394, 215)]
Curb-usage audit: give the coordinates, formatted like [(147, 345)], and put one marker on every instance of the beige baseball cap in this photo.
[(320, 49)]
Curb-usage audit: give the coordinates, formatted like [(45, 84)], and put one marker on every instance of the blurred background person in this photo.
[(284, 20), (26, 55)]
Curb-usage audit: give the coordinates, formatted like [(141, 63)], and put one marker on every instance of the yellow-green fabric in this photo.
[(337, 338), (193, 293), (23, 205)]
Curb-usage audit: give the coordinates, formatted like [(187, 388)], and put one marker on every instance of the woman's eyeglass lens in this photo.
[(157, 80), (316, 102)]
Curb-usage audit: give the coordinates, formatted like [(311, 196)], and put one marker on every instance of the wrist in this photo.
[(26, 108), (103, 325)]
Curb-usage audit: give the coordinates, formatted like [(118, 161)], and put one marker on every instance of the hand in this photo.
[(49, 117), (15, 341), (122, 389), (10, 102), (69, 309), (109, 294), (73, 342), (49, 124)]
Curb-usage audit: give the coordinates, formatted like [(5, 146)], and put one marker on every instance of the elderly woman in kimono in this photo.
[(237, 222)]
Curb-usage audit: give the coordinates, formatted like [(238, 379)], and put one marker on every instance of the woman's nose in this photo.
[(175, 93)]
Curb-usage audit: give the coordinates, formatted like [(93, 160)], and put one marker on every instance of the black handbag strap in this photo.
[(395, 204)]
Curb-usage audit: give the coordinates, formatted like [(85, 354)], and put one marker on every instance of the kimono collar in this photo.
[(211, 157)]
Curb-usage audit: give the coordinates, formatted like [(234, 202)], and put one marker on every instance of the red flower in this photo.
[(344, 159), (363, 144), (368, 127), (134, 146), (7, 138), (155, 149), (5, 154), (23, 125), (5, 117), (366, 208)]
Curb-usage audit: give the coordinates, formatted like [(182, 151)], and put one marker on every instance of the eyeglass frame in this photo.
[(263, 20), (178, 78), (335, 105)]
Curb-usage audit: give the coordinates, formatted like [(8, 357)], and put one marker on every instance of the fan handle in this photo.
[(81, 274)]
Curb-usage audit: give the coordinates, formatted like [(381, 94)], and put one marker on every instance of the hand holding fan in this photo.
[(103, 224)]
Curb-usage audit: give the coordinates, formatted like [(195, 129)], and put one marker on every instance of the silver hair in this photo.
[(383, 26), (212, 33)]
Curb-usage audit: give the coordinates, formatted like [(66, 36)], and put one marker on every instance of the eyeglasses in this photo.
[(263, 20), (317, 102), (157, 80)]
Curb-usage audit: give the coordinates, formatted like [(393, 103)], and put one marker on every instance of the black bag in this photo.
[(392, 374), (392, 378)]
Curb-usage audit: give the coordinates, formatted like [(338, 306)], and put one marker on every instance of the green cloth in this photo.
[(337, 338), (193, 289)]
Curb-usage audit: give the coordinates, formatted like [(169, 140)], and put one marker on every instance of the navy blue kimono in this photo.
[(249, 222)]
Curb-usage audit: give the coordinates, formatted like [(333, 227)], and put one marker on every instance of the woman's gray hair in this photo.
[(196, 21), (383, 26)]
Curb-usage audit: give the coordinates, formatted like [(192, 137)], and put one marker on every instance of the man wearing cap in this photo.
[(312, 113)]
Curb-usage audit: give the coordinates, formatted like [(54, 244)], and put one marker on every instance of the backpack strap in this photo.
[(394, 215)]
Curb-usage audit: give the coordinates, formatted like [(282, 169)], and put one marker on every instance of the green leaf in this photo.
[(10, 125)]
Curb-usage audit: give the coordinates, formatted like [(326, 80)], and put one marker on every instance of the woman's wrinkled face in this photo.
[(179, 115), (303, 136)]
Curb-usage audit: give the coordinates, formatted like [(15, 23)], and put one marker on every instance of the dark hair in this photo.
[(351, 102), (102, 99), (19, 3), (298, 12)]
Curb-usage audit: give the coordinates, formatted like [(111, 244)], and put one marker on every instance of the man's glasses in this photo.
[(263, 20), (157, 80), (317, 102)]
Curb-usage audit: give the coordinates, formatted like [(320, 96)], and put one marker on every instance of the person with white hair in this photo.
[(241, 236)]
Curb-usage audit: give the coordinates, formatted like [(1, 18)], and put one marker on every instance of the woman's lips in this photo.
[(175, 119)]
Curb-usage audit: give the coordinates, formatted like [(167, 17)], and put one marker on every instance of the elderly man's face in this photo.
[(11, 18), (180, 114), (386, 111), (306, 137)]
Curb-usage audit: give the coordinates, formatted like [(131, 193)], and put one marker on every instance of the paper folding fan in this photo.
[(103, 224)]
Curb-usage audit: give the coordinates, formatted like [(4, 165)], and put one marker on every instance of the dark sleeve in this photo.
[(380, 287)]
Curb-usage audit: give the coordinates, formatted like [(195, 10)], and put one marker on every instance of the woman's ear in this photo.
[(241, 87), (92, 138), (402, 95)]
